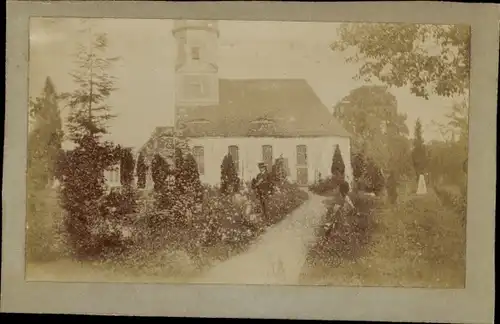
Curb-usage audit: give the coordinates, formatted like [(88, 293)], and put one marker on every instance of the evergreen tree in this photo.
[(419, 154), (338, 166), (89, 112), (189, 178), (127, 165), (229, 176), (159, 172), (278, 171), (84, 186), (141, 171), (45, 137), (87, 121)]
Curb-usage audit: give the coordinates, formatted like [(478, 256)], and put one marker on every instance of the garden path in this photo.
[(278, 256)]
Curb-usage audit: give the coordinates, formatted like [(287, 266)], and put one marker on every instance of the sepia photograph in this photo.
[(247, 152), (248, 159)]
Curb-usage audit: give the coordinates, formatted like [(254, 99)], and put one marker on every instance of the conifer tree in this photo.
[(45, 137), (89, 114), (159, 172), (338, 166), (229, 176), (189, 178)]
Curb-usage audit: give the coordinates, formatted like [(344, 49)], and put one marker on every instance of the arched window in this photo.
[(267, 156)]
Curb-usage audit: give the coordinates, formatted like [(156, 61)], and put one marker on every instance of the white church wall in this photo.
[(319, 155)]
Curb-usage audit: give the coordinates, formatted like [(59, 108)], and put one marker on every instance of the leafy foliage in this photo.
[(325, 187), (345, 234), (230, 181), (127, 165), (429, 59), (358, 165), (447, 159), (44, 139), (279, 171), (83, 168), (164, 185), (83, 189), (188, 179), (374, 178), (392, 186), (141, 171), (379, 131)]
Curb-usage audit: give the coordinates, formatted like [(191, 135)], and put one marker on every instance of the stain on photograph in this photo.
[(247, 152)]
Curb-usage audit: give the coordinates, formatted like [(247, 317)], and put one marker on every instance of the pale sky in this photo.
[(145, 97)]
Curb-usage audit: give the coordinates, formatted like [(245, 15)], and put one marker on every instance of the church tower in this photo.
[(196, 69)]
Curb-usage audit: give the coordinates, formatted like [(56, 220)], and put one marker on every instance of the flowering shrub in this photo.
[(225, 221)]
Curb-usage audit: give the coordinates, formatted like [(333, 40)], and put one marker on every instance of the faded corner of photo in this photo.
[(247, 152)]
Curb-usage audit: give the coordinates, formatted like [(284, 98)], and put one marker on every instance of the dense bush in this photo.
[(324, 186), (455, 199), (344, 235), (225, 221)]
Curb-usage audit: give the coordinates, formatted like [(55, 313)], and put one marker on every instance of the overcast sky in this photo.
[(246, 50)]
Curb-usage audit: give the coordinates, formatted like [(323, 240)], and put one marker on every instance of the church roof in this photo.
[(261, 107)]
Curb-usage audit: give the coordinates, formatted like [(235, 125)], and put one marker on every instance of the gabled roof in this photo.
[(261, 107)]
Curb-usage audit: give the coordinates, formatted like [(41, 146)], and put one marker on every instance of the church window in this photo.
[(199, 157), (301, 155), (267, 156), (195, 53), (235, 155)]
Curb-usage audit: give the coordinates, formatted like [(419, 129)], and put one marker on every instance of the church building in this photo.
[(254, 120)]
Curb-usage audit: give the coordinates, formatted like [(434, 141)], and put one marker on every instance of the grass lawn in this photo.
[(417, 243)]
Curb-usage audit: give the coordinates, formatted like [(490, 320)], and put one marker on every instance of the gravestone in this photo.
[(422, 187)]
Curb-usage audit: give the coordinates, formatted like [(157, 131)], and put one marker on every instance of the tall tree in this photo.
[(45, 137), (419, 153), (89, 113), (429, 59), (379, 131), (338, 166)]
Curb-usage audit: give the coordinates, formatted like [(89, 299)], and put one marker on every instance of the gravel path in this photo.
[(278, 256)]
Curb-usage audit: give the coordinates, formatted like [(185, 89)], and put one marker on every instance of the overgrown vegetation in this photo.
[(344, 235)]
